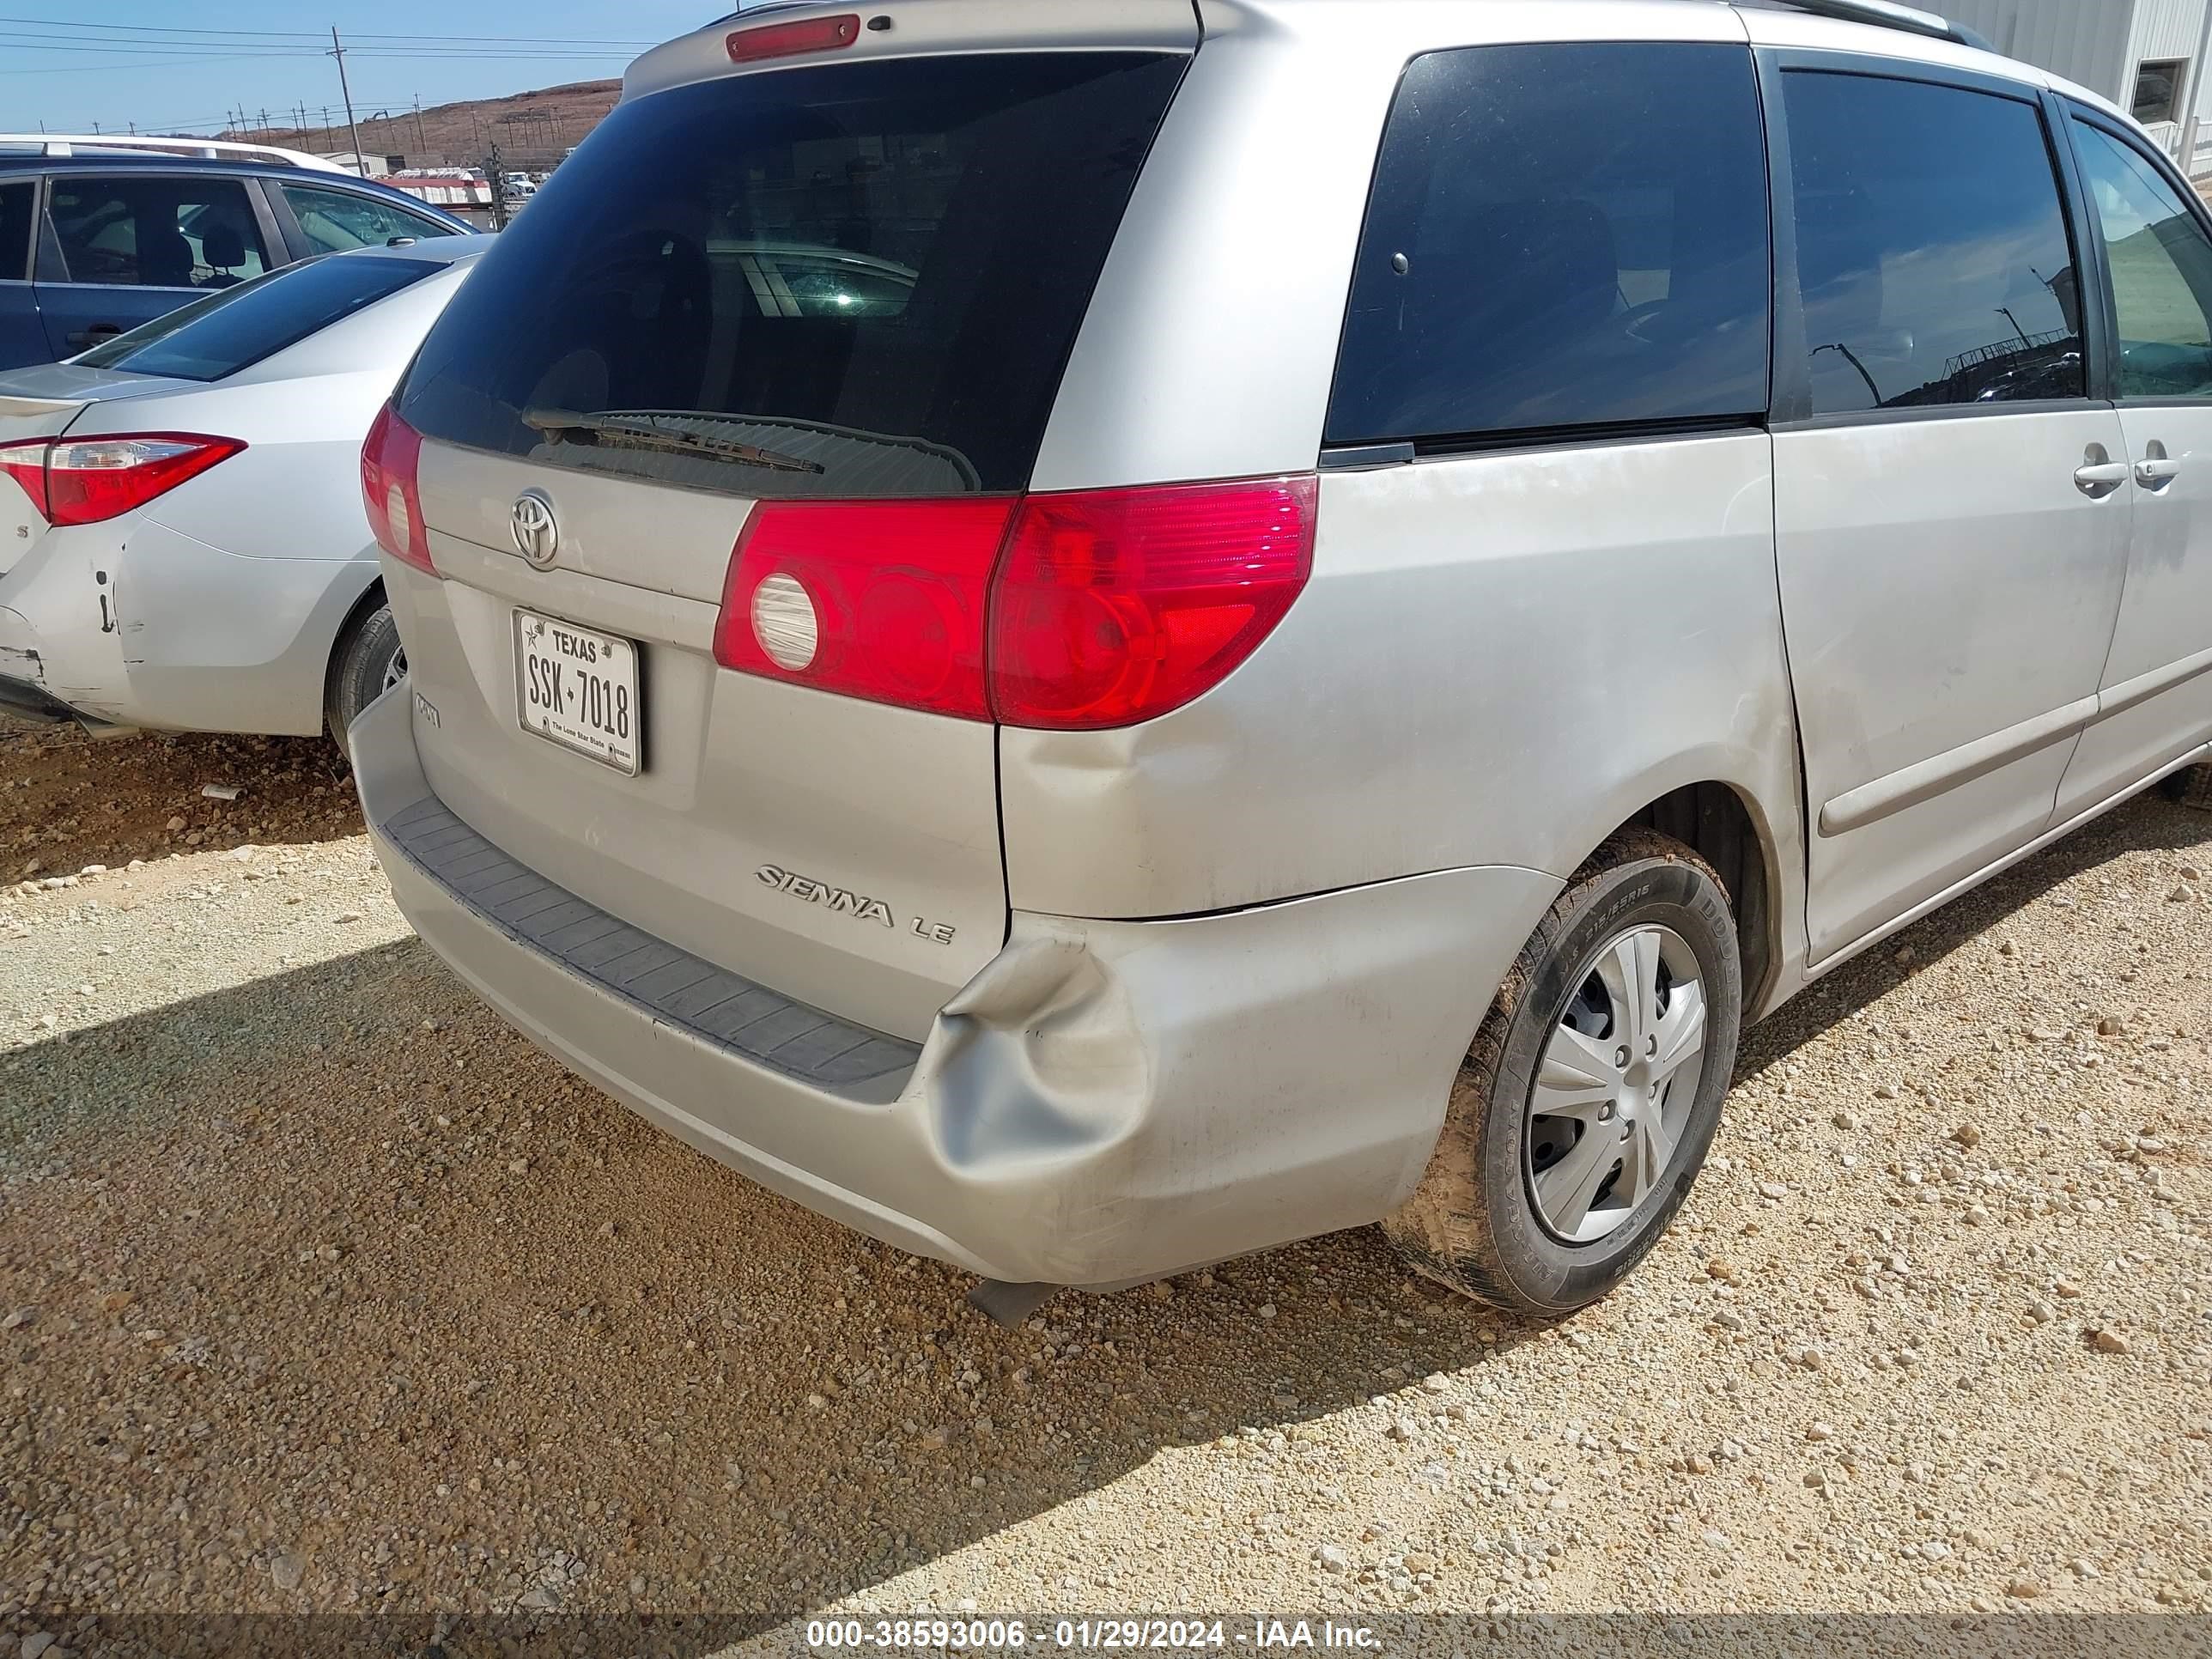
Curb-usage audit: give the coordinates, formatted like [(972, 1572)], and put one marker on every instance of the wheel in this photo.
[(368, 662), (2192, 787), (1583, 1110)]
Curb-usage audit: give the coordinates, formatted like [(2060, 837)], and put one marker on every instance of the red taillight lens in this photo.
[(1114, 606), (391, 457), (26, 463), (877, 599), (782, 40), (84, 480), (1072, 611)]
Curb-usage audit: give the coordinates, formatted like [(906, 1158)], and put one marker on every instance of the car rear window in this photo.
[(225, 332), (862, 280)]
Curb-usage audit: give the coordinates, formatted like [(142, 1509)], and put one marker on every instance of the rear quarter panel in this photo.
[(1500, 657)]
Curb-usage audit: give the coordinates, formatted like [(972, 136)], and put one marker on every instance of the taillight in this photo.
[(391, 459), (783, 40), (84, 480), (1090, 609), (26, 463), (1114, 606), (877, 600)]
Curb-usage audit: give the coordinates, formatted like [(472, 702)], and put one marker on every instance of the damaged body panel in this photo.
[(1067, 1118)]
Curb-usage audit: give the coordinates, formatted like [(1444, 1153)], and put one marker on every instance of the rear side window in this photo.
[(15, 231), (225, 332), (862, 280), (334, 221), (1932, 251), (1561, 236), (158, 231)]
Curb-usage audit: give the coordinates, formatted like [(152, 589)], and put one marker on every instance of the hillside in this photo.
[(531, 129)]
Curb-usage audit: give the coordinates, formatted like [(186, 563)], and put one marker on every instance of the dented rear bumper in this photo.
[(1105, 1102)]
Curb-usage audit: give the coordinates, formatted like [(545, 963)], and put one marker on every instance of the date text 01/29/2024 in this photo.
[(1001, 1634)]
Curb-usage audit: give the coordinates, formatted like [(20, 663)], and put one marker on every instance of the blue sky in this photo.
[(184, 63)]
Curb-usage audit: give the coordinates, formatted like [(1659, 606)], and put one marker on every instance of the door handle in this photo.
[(2156, 471), (2097, 478), (94, 335)]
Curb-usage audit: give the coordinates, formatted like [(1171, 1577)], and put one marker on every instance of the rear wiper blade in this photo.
[(646, 431)]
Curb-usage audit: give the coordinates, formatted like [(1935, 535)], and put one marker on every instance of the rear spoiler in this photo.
[(909, 28)]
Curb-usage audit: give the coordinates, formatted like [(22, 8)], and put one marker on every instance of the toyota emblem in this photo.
[(536, 531)]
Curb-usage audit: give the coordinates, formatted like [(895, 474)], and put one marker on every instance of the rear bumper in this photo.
[(28, 701), (1104, 1102), (131, 623)]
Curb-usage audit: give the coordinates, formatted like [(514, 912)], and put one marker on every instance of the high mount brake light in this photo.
[(1072, 611), (391, 457), (73, 481), (787, 40)]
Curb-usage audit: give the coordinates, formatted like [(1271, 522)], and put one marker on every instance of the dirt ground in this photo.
[(320, 1289)]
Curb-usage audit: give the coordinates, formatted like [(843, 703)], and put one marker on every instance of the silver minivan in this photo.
[(1387, 574)]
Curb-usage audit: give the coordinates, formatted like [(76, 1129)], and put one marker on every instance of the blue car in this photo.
[(94, 241)]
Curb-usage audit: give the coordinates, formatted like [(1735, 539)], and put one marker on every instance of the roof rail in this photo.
[(1887, 14), (211, 149)]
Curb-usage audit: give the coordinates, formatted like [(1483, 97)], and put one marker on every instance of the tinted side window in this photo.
[(1560, 236), (1931, 248), (2161, 267), (159, 231), (15, 231), (334, 221)]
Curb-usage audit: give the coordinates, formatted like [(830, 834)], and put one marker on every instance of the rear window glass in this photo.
[(1561, 236), (225, 332), (862, 280)]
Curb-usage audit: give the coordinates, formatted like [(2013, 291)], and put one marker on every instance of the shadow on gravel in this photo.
[(331, 1265), (68, 799), (330, 1268)]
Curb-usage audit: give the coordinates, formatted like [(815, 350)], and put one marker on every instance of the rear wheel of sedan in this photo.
[(1583, 1110), (368, 662)]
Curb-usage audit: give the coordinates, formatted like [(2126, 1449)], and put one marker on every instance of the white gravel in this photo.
[(323, 1291)]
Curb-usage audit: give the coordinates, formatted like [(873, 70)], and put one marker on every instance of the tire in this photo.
[(369, 658), (1480, 1222), (2190, 787)]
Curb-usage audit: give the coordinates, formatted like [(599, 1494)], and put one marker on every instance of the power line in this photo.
[(164, 61), (41, 44), (306, 35)]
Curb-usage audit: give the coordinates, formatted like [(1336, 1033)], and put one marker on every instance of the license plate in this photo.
[(578, 688)]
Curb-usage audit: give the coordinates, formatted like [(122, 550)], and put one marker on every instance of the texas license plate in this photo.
[(578, 688)]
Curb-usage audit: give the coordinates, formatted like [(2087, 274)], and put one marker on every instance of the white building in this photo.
[(2142, 54)]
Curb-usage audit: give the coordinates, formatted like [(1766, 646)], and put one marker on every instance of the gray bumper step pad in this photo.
[(716, 1006)]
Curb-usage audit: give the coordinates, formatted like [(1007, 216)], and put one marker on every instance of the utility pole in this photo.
[(421, 142), (338, 52), (2192, 113), (498, 189)]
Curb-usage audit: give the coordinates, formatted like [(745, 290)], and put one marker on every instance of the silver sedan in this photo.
[(182, 538)]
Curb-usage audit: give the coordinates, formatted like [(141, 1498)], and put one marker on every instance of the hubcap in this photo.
[(1616, 1085), (396, 669)]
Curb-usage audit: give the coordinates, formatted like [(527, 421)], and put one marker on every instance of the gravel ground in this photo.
[(323, 1292)]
